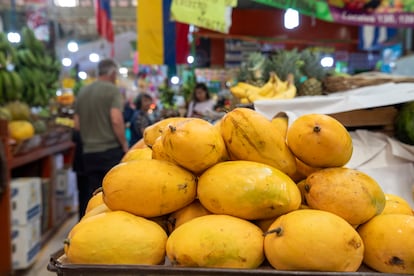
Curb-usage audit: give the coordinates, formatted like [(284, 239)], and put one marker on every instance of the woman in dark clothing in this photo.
[(140, 119)]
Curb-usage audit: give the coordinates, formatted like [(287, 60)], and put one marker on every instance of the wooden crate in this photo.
[(379, 119)]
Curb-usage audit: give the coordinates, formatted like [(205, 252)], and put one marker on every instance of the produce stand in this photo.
[(59, 265), (27, 158)]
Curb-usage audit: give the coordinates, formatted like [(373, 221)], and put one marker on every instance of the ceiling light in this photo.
[(73, 46), (190, 59), (13, 37), (66, 62), (291, 19), (175, 80), (327, 61), (94, 57), (82, 75)]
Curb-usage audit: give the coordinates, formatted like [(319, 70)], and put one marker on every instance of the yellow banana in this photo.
[(289, 93), (241, 89)]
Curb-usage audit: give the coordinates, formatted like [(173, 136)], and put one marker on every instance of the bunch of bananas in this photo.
[(38, 70), (11, 84), (273, 89)]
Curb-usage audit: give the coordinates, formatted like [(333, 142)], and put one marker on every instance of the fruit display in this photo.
[(273, 89), (300, 69), (241, 194), (38, 69)]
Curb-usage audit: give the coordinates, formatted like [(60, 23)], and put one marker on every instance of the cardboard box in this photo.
[(25, 244), (65, 184), (25, 199), (45, 216)]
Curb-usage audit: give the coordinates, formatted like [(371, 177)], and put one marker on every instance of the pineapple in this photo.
[(314, 74), (310, 87), (283, 63), (251, 71)]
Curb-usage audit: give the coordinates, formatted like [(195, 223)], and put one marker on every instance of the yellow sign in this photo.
[(68, 83), (209, 14)]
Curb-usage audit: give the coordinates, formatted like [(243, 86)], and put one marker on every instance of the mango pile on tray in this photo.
[(245, 192)]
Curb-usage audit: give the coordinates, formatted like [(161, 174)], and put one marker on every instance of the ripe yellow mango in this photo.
[(216, 241)]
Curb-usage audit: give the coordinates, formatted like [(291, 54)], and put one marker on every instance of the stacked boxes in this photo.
[(26, 209), (66, 193)]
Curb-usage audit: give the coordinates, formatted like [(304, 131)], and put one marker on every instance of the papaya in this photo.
[(348, 193), (21, 130), (313, 240), (250, 136), (158, 151), (195, 144), (389, 243), (396, 205), (139, 144), (152, 132), (281, 121), (320, 140), (193, 210), (138, 153), (247, 189), (116, 238), (219, 241), (148, 187), (101, 208), (95, 200)]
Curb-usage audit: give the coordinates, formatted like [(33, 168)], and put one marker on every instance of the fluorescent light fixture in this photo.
[(94, 57), (66, 3), (66, 62), (291, 19)]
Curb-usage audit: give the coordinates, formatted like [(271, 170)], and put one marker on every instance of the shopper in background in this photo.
[(140, 119), (202, 105), (98, 117)]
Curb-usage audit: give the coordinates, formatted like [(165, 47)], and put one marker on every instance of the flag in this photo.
[(104, 22), (156, 33)]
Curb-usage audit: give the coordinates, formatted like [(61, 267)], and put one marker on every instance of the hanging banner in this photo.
[(210, 14), (156, 33), (37, 18), (362, 12)]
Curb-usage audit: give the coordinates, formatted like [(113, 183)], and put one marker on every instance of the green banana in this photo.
[(8, 85), (17, 84), (3, 60)]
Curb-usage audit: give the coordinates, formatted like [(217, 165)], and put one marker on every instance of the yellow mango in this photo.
[(313, 240), (220, 241), (138, 153), (116, 238), (94, 201), (320, 140), (396, 205), (148, 188), (152, 132), (193, 210), (251, 136), (21, 130), (194, 144), (248, 190), (389, 243), (351, 194)]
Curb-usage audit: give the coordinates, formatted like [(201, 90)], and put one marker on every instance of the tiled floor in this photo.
[(39, 268)]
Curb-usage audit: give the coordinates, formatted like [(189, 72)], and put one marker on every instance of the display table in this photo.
[(22, 165)]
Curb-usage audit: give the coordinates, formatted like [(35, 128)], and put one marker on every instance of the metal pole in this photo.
[(12, 15)]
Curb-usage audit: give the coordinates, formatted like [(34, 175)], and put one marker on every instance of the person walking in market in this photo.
[(140, 118), (99, 119)]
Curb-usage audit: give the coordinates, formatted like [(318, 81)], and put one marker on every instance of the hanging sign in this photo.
[(210, 14), (362, 12)]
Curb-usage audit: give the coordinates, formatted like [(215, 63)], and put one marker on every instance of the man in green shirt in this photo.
[(98, 118)]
